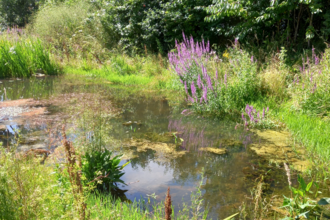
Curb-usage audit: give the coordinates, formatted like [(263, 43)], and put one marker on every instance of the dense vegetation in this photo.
[(265, 62)]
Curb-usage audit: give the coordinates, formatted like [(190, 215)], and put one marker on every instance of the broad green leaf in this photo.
[(309, 186), (324, 201)]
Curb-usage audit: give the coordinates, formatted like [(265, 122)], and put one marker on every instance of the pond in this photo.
[(166, 148)]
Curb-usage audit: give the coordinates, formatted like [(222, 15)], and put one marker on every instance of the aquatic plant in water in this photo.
[(254, 118)]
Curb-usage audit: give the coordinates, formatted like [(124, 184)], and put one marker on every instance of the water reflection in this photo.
[(224, 185)]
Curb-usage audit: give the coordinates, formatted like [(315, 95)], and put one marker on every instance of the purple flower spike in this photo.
[(267, 109), (185, 87), (216, 74), (226, 79), (193, 89), (244, 119), (263, 113), (199, 81), (251, 59)]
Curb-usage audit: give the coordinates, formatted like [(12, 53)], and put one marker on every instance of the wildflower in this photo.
[(267, 109), (12, 50), (185, 87), (244, 119), (216, 74), (193, 89), (199, 81), (226, 79), (251, 59), (204, 93), (263, 113)]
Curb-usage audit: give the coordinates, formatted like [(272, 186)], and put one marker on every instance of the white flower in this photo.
[(12, 50)]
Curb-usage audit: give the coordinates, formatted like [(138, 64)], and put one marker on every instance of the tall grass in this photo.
[(22, 56)]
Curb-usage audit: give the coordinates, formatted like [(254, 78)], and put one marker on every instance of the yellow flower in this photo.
[(225, 54)]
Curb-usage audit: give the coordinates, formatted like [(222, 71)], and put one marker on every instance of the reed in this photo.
[(22, 56)]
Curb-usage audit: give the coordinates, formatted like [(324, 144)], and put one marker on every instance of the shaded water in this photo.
[(227, 179)]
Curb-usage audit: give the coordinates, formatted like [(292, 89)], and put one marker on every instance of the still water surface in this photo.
[(225, 184)]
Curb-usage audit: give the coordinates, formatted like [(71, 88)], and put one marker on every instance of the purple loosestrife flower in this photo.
[(226, 79), (303, 64), (185, 88), (209, 82), (199, 81), (267, 109), (204, 93), (317, 60), (236, 42), (311, 76), (216, 75), (258, 115), (244, 119), (303, 86), (191, 99), (193, 89), (251, 59), (263, 113)]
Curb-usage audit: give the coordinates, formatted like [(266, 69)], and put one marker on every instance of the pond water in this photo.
[(143, 125)]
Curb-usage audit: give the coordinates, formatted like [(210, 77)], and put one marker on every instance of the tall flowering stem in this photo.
[(189, 63)]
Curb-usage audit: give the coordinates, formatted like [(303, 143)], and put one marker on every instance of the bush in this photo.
[(16, 12), (71, 29)]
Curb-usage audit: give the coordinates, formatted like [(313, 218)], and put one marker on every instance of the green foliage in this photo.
[(30, 190), (155, 25), (301, 205), (71, 29), (290, 22), (22, 56), (16, 12), (97, 163)]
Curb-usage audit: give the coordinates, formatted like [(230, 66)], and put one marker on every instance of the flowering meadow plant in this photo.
[(214, 93), (310, 87)]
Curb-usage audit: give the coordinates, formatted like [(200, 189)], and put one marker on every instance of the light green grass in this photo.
[(111, 76)]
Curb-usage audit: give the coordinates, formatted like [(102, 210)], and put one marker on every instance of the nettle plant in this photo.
[(214, 94), (310, 87)]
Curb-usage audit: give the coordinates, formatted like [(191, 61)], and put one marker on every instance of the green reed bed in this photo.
[(23, 56)]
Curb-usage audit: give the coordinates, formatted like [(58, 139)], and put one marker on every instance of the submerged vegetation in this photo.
[(264, 65)]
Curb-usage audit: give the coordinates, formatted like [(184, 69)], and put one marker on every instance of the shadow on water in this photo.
[(149, 117)]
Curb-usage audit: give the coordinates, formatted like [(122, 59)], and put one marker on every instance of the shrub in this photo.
[(71, 29)]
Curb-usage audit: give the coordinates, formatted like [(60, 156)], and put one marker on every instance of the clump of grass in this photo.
[(21, 56)]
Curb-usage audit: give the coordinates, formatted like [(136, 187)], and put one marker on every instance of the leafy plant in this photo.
[(301, 205), (99, 167)]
